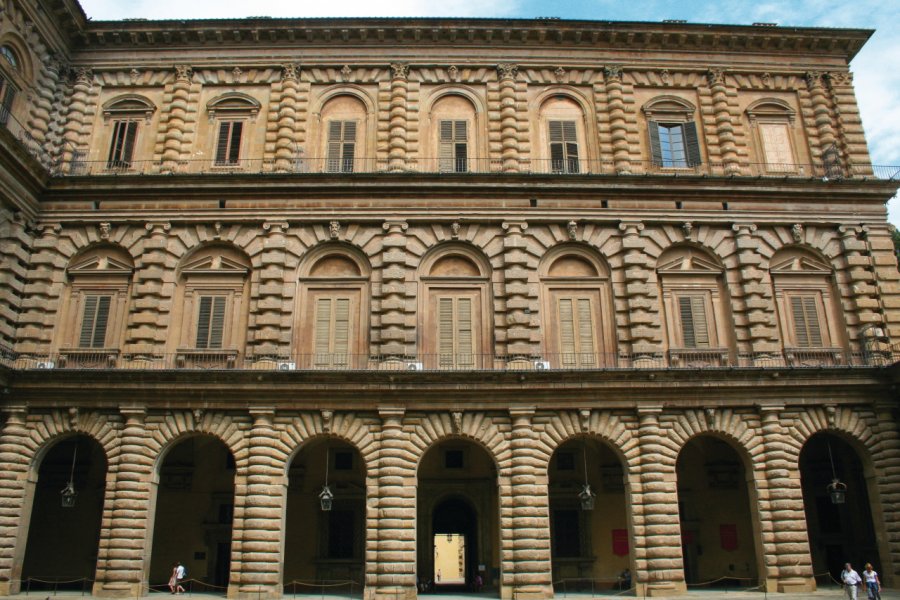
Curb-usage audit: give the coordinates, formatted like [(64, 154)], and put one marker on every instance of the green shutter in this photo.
[(694, 325), (101, 322), (222, 143), (217, 323), (87, 322), (655, 146), (204, 312), (692, 144), (807, 329), (234, 142)]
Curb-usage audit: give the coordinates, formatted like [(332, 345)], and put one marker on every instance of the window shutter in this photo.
[(692, 144), (7, 95), (694, 326), (445, 331), (585, 333), (812, 319), (566, 332), (464, 347), (100, 322), (222, 144), (349, 146), (217, 322), (203, 318), (689, 340), (128, 150), (341, 329), (87, 322), (234, 148), (655, 146), (461, 133), (807, 328), (445, 149), (461, 147)]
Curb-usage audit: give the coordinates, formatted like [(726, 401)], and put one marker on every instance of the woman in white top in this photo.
[(873, 584)]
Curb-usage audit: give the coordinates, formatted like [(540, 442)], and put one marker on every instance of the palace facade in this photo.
[(534, 301)]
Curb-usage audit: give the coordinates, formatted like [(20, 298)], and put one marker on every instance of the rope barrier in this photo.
[(320, 585)]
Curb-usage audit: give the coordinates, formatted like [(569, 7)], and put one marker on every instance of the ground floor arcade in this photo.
[(516, 502)]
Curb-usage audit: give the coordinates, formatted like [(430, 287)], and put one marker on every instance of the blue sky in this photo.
[(876, 69)]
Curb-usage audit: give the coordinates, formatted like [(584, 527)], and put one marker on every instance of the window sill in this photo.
[(814, 357), (213, 358), (698, 357), (88, 358)]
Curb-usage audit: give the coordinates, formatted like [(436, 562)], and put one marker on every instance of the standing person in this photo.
[(851, 580), (173, 578), (873, 584), (179, 576)]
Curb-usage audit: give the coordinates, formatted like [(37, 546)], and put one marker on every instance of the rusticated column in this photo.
[(15, 242), (658, 551), (75, 118), (14, 514), (618, 126), (519, 301), (126, 559), (863, 299), (271, 322), (509, 129), (756, 296), (818, 96), (849, 123), (398, 121), (782, 519), (724, 124), (884, 481), (47, 86), (176, 125), (396, 548), (643, 309), (149, 319), (395, 334), (259, 568), (286, 137), (532, 573), (41, 292)]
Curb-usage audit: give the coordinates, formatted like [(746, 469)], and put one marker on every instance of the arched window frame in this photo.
[(772, 124), (695, 307), (11, 79), (232, 114), (124, 115), (332, 158), (445, 301), (446, 154), (565, 143), (91, 328), (319, 345), (672, 134), (590, 298)]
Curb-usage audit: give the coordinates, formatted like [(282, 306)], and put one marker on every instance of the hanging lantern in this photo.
[(838, 491), (586, 495), (326, 498), (68, 493)]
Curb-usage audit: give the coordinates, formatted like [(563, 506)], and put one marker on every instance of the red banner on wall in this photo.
[(620, 542), (728, 536)]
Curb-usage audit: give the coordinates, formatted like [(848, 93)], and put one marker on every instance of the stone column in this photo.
[(149, 312), (532, 573), (259, 570), (818, 97), (122, 568), (849, 124), (16, 494), (643, 307), (176, 124), (657, 548), (520, 302), (883, 483), (759, 334), (724, 124), (15, 242), (618, 125), (782, 519), (271, 323), (395, 335), (75, 118), (396, 548), (509, 129), (42, 291), (39, 124), (398, 121), (286, 151), (863, 299)]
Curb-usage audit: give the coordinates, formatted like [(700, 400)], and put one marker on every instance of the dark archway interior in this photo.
[(455, 516), (62, 542), (194, 514), (716, 520), (325, 546), (838, 533)]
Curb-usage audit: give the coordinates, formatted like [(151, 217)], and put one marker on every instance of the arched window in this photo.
[(343, 123), (213, 285), (562, 131), (808, 317), (674, 143), (455, 310), (125, 114), (332, 331), (695, 307), (232, 113), (578, 321), (10, 65), (453, 123), (772, 122), (94, 310)]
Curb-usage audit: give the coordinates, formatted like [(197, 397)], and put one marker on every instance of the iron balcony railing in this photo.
[(472, 166), (226, 359)]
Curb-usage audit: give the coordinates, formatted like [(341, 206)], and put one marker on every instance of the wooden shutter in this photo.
[(348, 147), (121, 149), (210, 322), (453, 146), (228, 148), (807, 327), (456, 333), (692, 144), (222, 144), (694, 324), (341, 146), (563, 147), (332, 332), (576, 332), (7, 96), (94, 321), (655, 145)]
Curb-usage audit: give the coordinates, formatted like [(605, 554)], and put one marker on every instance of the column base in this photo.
[(537, 592), (254, 592), (122, 589), (795, 585), (660, 588), (390, 593)]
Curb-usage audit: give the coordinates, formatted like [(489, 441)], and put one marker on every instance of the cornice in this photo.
[(502, 33)]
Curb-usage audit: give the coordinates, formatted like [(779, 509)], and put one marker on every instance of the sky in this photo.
[(876, 69)]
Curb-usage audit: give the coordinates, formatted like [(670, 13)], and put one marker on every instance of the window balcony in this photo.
[(472, 166), (232, 359)]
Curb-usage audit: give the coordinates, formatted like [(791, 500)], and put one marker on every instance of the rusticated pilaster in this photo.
[(14, 515), (643, 309), (886, 480), (75, 118), (658, 560), (509, 130), (724, 123), (41, 293), (286, 150), (532, 576), (271, 322), (127, 548), (618, 125), (782, 519), (176, 127), (755, 297), (15, 242), (880, 245), (40, 119), (396, 334), (862, 303), (519, 301), (150, 309), (396, 548), (398, 117), (259, 513), (818, 96), (849, 124)]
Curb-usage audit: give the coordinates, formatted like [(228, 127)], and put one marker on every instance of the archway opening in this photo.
[(194, 515), (61, 552), (838, 533), (589, 546), (325, 547), (458, 519), (717, 536)]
